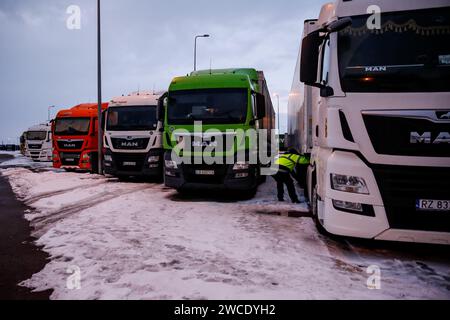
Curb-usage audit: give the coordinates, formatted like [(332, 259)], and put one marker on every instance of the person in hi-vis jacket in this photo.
[(290, 164)]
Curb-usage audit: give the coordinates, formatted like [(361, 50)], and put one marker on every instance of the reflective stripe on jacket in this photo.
[(289, 161)]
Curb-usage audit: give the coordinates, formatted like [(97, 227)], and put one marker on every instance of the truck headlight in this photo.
[(153, 159), (108, 158), (170, 164), (350, 184), (241, 166)]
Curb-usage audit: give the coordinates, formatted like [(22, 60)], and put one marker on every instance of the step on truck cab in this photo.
[(204, 111), (370, 102), (133, 136), (38, 142), (75, 138)]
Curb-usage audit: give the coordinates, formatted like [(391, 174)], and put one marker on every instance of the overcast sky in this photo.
[(145, 44)]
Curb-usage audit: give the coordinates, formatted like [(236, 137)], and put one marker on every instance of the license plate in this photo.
[(204, 144), (129, 163), (204, 172), (433, 205)]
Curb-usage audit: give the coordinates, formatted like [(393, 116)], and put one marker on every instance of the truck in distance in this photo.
[(226, 101), (75, 138), (371, 103), (38, 142), (133, 136)]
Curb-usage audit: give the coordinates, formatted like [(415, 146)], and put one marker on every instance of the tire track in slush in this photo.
[(43, 223), (31, 200)]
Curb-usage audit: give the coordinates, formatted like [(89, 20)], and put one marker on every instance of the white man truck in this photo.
[(370, 103), (132, 139), (38, 142)]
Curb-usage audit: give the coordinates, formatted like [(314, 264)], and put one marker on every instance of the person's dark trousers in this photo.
[(284, 178), (301, 177)]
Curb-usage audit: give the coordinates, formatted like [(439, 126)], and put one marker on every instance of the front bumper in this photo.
[(186, 177), (39, 155), (393, 194), (134, 164)]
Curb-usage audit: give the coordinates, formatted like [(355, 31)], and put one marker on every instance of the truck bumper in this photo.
[(390, 209), (134, 164), (39, 155), (187, 176)]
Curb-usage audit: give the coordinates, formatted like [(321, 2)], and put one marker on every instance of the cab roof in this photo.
[(142, 98), (81, 110), (346, 8), (40, 127), (216, 78)]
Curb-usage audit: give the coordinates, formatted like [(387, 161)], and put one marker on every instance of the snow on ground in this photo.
[(21, 161), (143, 241)]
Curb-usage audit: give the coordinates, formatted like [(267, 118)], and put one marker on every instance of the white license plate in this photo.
[(204, 172), (129, 164), (433, 205), (204, 144)]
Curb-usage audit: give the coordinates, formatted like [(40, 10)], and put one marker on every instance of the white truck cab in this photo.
[(38, 142), (133, 136), (370, 103)]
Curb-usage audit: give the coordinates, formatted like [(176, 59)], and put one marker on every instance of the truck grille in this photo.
[(34, 146), (400, 187), (129, 162), (68, 145), (70, 159), (132, 144), (391, 135)]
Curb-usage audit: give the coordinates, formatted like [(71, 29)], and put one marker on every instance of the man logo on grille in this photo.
[(443, 115)]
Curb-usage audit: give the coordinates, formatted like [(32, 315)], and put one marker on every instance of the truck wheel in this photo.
[(315, 211)]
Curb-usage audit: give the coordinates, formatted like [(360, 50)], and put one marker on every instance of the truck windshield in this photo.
[(72, 126), (410, 53), (136, 118), (211, 106), (36, 135)]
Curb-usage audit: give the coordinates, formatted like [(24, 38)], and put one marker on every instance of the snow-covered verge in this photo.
[(143, 241), (21, 161)]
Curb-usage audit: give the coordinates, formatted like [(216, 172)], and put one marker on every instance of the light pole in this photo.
[(195, 49), (99, 90), (278, 112), (48, 112)]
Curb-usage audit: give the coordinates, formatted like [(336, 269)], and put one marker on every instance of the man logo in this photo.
[(376, 69), (443, 115), (130, 144), (426, 138)]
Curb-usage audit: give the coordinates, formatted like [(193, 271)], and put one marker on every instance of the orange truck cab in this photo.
[(75, 142)]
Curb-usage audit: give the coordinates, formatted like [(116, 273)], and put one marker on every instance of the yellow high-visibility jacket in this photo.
[(289, 161)]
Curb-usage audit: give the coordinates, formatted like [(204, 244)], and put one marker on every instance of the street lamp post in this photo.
[(99, 90), (48, 112), (195, 48)]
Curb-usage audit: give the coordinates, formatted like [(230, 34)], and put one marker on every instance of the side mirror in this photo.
[(309, 60), (260, 106), (339, 25), (160, 108)]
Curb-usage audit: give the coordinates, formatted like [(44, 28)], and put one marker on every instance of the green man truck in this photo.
[(211, 119)]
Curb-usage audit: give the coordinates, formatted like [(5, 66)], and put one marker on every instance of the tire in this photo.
[(315, 211)]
